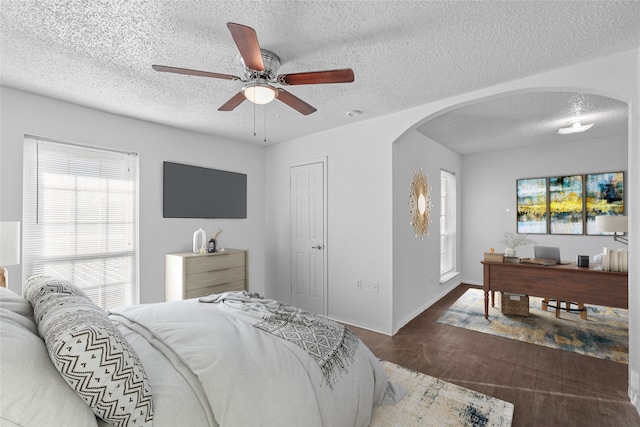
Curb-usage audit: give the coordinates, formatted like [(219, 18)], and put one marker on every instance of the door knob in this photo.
[(316, 247)]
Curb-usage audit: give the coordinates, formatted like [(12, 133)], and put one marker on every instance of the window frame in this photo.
[(448, 222), (80, 218)]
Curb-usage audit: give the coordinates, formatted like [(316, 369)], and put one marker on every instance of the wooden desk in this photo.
[(560, 282)]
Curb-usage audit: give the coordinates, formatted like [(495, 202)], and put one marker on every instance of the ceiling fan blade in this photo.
[(247, 42), (295, 102), (233, 102), (344, 75), (165, 69)]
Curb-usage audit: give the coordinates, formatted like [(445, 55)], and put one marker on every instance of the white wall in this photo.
[(359, 221), (416, 261), (489, 196), (23, 113)]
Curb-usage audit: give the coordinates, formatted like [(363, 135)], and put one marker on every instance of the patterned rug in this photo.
[(604, 335), (432, 402)]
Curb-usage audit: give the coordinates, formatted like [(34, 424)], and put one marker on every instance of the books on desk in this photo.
[(538, 261), (615, 260)]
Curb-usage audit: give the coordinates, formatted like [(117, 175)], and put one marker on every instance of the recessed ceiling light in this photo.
[(575, 128), (354, 113)]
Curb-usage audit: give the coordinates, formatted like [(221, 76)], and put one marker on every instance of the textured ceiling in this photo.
[(404, 54), (526, 119)]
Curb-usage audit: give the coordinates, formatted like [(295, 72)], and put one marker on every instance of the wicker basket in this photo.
[(514, 304)]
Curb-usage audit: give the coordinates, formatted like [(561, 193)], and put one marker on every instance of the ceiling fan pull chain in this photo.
[(265, 123), (254, 119)]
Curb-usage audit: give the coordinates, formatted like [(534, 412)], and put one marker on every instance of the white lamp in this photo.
[(9, 248), (259, 93), (614, 223)]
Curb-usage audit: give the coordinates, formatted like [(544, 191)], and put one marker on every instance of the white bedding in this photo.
[(207, 364), (244, 376)]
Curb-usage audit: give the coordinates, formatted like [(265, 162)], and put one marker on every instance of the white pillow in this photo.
[(32, 392), (92, 356)]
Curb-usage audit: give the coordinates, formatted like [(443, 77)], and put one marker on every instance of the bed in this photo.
[(233, 359)]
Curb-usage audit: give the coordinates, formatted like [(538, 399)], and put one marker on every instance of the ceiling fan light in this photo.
[(259, 93), (575, 128)]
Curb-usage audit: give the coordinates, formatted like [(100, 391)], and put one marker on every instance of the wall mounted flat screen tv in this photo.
[(197, 192)]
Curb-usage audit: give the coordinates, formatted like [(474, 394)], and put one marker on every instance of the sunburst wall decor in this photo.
[(420, 204)]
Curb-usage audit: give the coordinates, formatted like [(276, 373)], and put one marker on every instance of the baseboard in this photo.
[(473, 282), (357, 325), (634, 389), (444, 291)]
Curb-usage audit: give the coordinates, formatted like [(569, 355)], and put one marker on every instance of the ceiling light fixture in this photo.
[(259, 93), (575, 128)]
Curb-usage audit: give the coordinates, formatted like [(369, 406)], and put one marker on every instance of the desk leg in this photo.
[(493, 299), (583, 311), (486, 304)]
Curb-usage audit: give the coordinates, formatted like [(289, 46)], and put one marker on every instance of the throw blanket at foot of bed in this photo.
[(245, 375), (330, 344)]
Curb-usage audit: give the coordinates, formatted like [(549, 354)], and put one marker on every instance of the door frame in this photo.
[(325, 282)]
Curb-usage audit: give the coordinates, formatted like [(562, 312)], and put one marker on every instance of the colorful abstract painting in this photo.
[(604, 196), (565, 205), (532, 205)]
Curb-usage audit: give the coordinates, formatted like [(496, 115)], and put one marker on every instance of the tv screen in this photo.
[(196, 192)]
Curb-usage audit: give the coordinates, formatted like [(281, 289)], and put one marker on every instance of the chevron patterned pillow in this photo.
[(39, 284), (93, 357)]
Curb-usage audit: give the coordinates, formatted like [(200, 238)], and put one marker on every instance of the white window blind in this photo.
[(447, 222), (80, 218)]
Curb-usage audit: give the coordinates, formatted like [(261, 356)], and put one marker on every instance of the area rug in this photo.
[(433, 402), (605, 333)]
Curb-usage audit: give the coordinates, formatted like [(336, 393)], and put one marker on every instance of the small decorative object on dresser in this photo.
[(213, 241), (199, 241), (188, 275)]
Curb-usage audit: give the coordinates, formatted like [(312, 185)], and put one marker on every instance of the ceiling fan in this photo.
[(260, 71)]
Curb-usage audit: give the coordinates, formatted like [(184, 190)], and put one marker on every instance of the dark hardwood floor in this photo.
[(548, 387)]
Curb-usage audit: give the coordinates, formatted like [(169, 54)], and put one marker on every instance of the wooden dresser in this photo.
[(188, 275)]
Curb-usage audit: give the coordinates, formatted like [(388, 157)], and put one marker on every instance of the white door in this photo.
[(308, 289)]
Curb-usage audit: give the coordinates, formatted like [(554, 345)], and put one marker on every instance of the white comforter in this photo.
[(208, 364)]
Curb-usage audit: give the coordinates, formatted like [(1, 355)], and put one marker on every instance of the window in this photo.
[(80, 218), (447, 225)]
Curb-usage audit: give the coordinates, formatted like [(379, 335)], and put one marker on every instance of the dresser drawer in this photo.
[(213, 278), (207, 263), (203, 292)]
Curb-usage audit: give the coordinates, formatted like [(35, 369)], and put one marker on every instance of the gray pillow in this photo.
[(21, 310)]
